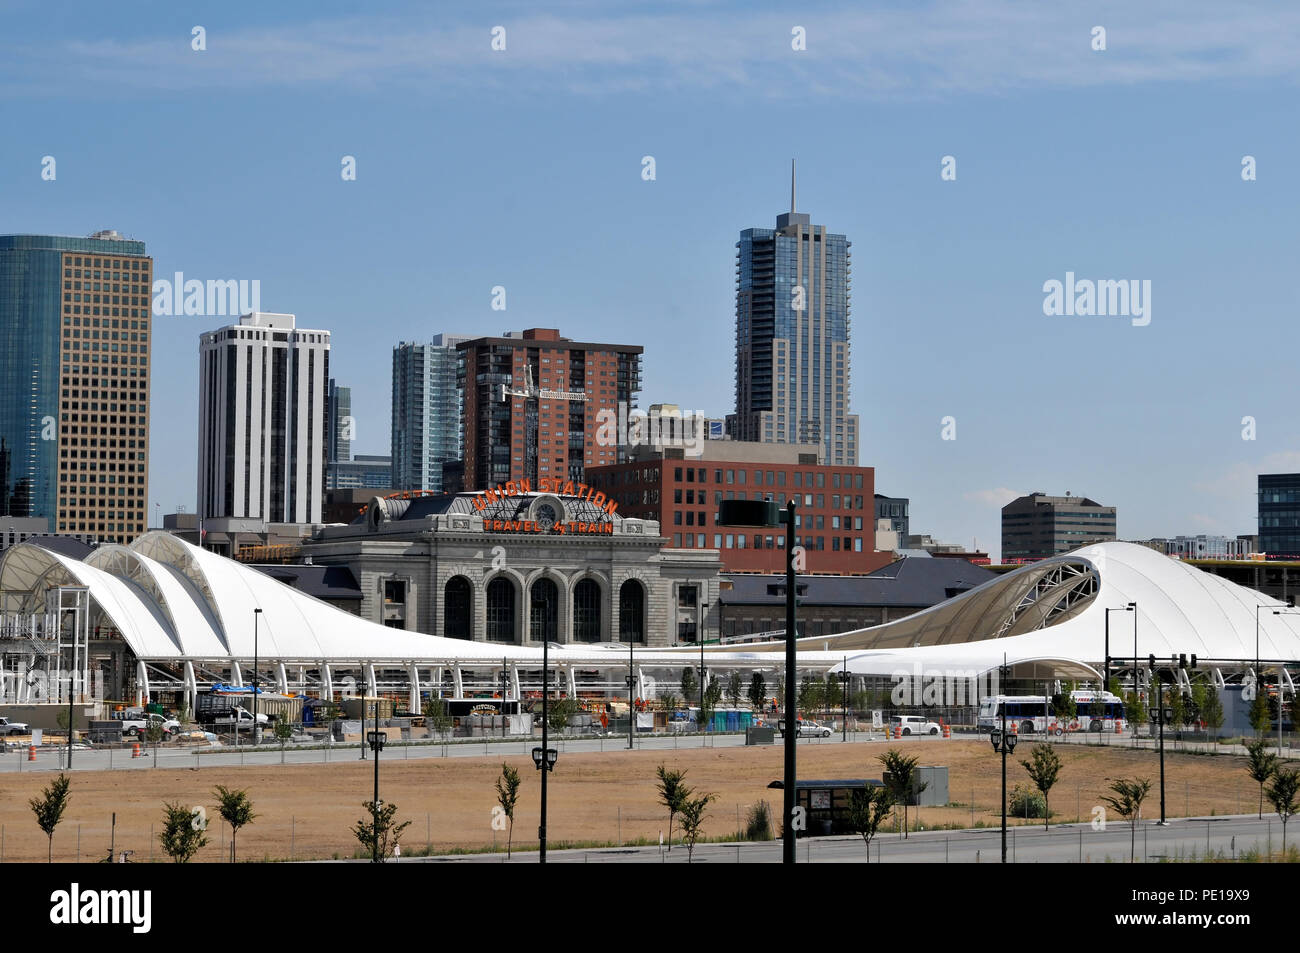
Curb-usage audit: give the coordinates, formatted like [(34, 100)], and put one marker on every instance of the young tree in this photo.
[(49, 808), (283, 732), (1282, 794), (1044, 769), (901, 779), (1127, 803), (690, 685), (182, 834), (1261, 765), (1212, 713), (559, 712), (670, 701), (735, 689), (1065, 708), (437, 717), (692, 811), (235, 809), (1177, 707), (507, 797), (811, 694), (153, 734), (868, 809), (377, 832), (673, 794), (758, 692), (709, 703), (1261, 716)]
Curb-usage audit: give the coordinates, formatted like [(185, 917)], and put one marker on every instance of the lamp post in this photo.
[(1160, 720), (631, 684), (1004, 743), (764, 514), (257, 731), (844, 700), (544, 758), (1105, 672), (699, 635), (376, 739)]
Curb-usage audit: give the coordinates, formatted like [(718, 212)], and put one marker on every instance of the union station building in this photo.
[(522, 563)]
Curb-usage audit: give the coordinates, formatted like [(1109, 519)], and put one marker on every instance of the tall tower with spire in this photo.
[(792, 336)]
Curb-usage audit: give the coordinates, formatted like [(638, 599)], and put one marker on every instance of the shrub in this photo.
[(758, 822), (1026, 802)]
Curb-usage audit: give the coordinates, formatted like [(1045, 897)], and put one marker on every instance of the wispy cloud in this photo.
[(941, 48), (999, 497), (1240, 480)]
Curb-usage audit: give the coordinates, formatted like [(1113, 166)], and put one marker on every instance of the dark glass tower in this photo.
[(792, 337), (74, 382), (1279, 513)]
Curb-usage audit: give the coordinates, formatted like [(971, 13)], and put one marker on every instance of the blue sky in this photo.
[(522, 168)]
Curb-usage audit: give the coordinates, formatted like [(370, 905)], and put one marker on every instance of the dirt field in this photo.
[(307, 811)]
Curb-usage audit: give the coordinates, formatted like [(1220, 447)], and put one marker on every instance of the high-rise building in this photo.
[(262, 434), (1279, 514), (792, 337), (1038, 526), (540, 405), (427, 426), (338, 423), (74, 382)]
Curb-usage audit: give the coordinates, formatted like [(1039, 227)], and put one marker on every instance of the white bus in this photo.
[(1028, 714)]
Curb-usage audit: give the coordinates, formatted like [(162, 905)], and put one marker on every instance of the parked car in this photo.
[(913, 725), (811, 729), (8, 727)]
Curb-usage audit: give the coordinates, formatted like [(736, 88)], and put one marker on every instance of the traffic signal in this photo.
[(1151, 662), (1193, 660), (1182, 661)]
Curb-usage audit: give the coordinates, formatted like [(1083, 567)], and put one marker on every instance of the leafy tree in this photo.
[(1044, 767), (437, 717), (283, 732), (507, 797), (670, 701), (673, 794), (901, 779), (811, 693), (235, 809), (1282, 794), (1261, 717), (709, 703), (1098, 709), (735, 689), (868, 809), (1065, 708), (1212, 712), (863, 701), (758, 692), (1127, 803), (690, 685), (692, 811), (559, 712), (153, 734), (49, 808), (1261, 765), (1177, 706), (377, 832), (182, 836), (832, 694)]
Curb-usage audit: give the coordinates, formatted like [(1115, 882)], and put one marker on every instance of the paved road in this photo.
[(52, 758), (1182, 839)]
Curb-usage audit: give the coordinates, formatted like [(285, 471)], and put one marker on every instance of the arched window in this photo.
[(458, 601), (631, 612), (501, 610), (586, 611), (544, 611)]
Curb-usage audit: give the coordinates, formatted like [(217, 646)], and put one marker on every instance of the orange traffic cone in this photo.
[(135, 750), (31, 752), (947, 731)]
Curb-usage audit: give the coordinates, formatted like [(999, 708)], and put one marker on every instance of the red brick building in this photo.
[(532, 405), (835, 515)]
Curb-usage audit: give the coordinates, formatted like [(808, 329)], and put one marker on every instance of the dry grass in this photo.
[(311, 808)]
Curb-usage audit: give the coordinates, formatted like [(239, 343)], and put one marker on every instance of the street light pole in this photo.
[(257, 734), (631, 684), (546, 691), (791, 648)]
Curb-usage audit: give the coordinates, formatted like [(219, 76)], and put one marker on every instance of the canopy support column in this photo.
[(191, 686), (414, 674), (327, 682), (282, 678), (458, 684), (141, 683), (371, 686)]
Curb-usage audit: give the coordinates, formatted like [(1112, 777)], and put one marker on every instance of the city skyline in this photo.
[(1068, 161)]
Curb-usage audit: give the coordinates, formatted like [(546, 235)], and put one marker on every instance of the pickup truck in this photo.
[(137, 727), (245, 717), (8, 727)]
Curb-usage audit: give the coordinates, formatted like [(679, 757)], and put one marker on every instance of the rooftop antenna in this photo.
[(792, 186)]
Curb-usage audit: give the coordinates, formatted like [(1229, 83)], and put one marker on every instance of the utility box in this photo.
[(935, 793), (764, 735)]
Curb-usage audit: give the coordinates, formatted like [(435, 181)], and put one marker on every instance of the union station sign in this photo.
[(549, 512)]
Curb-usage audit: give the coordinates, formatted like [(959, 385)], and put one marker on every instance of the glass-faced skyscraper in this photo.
[(792, 337), (426, 424), (74, 382)]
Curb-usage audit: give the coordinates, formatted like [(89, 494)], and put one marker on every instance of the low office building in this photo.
[(1037, 526), (834, 521)]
